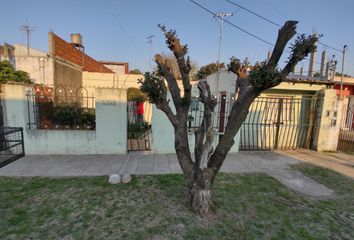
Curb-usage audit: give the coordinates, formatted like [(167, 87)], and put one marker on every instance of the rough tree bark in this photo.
[(201, 172)]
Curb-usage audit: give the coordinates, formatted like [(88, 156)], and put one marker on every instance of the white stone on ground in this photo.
[(114, 178), (126, 178)]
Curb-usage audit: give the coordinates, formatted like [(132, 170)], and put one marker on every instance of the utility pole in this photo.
[(221, 16), (345, 48), (150, 42), (27, 29)]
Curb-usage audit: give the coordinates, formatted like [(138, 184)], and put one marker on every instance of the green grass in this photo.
[(252, 206)]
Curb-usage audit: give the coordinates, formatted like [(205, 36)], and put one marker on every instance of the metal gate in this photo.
[(11, 145), (346, 132), (139, 129), (279, 123)]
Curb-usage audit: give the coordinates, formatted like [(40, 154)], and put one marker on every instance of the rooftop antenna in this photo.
[(27, 29), (150, 42)]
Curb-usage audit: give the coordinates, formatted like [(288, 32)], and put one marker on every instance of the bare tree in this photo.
[(201, 172)]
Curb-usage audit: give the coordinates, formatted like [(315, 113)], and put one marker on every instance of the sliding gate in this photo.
[(279, 123)]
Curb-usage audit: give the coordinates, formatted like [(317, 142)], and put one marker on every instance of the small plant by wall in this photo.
[(60, 112), (73, 116)]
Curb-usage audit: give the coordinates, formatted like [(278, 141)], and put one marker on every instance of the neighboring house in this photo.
[(347, 90), (62, 66), (7, 52), (281, 117)]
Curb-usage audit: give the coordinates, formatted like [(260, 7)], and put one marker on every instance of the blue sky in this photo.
[(117, 30)]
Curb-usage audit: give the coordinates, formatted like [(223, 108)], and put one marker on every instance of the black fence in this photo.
[(11, 145), (58, 110), (220, 115), (346, 132)]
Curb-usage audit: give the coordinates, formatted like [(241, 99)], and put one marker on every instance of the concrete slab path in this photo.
[(140, 163), (337, 161)]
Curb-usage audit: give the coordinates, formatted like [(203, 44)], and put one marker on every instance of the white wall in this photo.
[(108, 138), (163, 135), (222, 81)]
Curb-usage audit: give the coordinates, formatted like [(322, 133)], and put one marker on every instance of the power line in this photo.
[(131, 40), (256, 14), (326, 45), (230, 23), (253, 35), (276, 24)]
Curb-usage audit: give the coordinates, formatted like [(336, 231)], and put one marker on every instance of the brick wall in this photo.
[(66, 51)]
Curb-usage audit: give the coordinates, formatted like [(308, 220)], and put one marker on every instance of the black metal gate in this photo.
[(11, 145), (279, 123), (139, 130), (346, 132)]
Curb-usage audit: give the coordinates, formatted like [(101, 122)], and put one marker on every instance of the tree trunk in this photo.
[(200, 192)]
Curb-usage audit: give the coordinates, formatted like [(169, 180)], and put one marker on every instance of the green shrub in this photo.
[(67, 114)]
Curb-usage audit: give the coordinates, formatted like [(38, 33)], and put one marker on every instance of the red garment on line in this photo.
[(140, 108)]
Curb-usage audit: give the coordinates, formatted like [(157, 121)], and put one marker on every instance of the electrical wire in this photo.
[(131, 40), (276, 24), (230, 23), (256, 14)]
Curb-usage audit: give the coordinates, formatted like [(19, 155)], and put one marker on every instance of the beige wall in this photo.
[(345, 79), (328, 121), (40, 69), (91, 80), (119, 69), (21, 50), (67, 76), (39, 65), (300, 86), (110, 80)]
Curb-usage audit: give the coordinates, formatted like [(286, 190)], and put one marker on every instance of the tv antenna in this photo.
[(150, 42), (27, 29)]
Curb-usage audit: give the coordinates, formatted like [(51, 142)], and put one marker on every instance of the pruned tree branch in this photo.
[(204, 148), (165, 70), (179, 50), (284, 35), (163, 106), (300, 49), (156, 91)]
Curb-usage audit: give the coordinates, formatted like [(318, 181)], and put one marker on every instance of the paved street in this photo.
[(140, 163)]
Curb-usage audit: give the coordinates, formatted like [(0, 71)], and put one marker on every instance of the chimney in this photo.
[(323, 59), (312, 60)]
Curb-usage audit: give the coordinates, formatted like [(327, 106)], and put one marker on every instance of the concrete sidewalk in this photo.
[(337, 161), (140, 163)]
